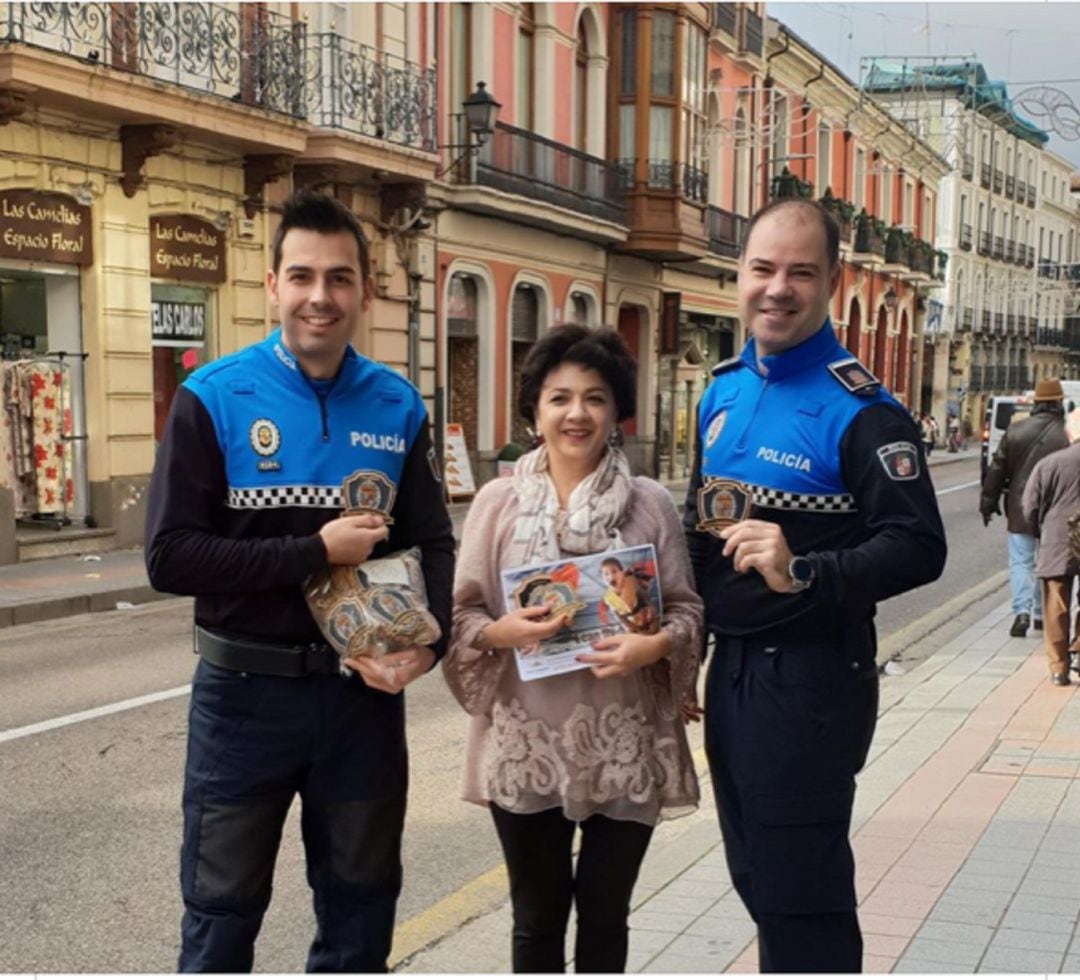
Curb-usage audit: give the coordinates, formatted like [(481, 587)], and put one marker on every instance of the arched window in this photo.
[(463, 355), (741, 194), (524, 330), (824, 158), (581, 88)]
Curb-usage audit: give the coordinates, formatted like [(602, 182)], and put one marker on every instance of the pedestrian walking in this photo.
[(1051, 504), (243, 508), (928, 433), (1024, 443), (809, 503), (602, 749)]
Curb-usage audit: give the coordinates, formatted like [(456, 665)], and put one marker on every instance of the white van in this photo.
[(1002, 410)]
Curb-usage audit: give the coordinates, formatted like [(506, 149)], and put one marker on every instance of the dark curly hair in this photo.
[(311, 211), (601, 350)]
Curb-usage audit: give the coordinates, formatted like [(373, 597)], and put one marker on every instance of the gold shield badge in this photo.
[(368, 492), (722, 503)]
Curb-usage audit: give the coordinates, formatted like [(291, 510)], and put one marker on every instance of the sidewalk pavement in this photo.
[(51, 588), (966, 834)]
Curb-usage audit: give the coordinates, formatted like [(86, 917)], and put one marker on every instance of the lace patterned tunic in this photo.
[(617, 746)]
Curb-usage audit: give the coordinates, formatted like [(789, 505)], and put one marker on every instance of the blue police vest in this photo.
[(288, 441), (779, 433)]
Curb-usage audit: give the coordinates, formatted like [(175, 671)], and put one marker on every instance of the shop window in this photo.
[(180, 330)]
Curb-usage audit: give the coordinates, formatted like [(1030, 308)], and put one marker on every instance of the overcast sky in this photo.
[(1022, 44)]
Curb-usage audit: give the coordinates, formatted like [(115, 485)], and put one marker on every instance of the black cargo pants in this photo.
[(788, 725)]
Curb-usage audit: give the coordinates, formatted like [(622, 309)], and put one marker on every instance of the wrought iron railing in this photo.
[(968, 319), (998, 177), (975, 381), (242, 52), (1049, 337), (725, 230), (984, 321), (1048, 269), (984, 242), (1029, 262), (1010, 322), (1010, 186), (999, 246), (520, 162), (695, 184), (999, 322), (965, 237), (1010, 250), (967, 166), (661, 174), (354, 87), (869, 235), (1021, 191), (1071, 338), (1031, 195), (896, 248), (984, 175)]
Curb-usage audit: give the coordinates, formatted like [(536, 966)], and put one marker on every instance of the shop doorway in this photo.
[(43, 444), (180, 318)]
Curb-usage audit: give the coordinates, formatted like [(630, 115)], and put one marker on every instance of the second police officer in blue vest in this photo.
[(810, 502), (244, 505)]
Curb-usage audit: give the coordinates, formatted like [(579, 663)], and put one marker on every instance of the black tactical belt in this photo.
[(275, 659)]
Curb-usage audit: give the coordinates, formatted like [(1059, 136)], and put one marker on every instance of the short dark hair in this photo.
[(312, 211), (601, 350), (828, 224)]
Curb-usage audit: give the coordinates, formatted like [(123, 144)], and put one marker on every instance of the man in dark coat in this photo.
[(1051, 498), (1025, 442)]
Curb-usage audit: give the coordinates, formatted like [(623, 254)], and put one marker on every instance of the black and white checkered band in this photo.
[(819, 503), (261, 498)]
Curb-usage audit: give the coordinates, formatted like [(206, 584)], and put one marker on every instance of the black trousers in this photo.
[(787, 728), (544, 883)]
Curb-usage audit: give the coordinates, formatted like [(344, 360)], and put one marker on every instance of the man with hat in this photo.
[(1025, 442)]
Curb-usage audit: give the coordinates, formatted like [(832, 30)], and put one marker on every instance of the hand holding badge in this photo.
[(379, 606), (722, 503)]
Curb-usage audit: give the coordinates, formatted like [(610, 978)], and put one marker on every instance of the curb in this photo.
[(38, 610)]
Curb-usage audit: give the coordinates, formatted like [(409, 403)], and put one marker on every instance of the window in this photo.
[(824, 158), (628, 54), (860, 179), (660, 120), (663, 54), (581, 88), (778, 122), (461, 51), (886, 211), (525, 329), (695, 144), (927, 227)]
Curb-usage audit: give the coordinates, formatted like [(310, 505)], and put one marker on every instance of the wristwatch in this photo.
[(802, 572)]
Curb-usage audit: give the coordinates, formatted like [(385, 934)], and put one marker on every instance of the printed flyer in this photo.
[(603, 594)]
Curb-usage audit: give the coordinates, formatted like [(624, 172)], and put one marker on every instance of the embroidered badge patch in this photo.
[(369, 492), (265, 437), (853, 376), (715, 428), (722, 503), (901, 460)]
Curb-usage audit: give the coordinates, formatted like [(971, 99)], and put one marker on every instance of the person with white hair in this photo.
[(1051, 499)]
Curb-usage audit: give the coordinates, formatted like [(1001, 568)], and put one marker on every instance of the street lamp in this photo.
[(890, 299), (481, 111)]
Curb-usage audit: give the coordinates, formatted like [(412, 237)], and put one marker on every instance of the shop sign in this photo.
[(176, 324), (187, 248), (44, 226)]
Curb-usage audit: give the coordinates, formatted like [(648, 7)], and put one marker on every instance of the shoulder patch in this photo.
[(854, 377), (726, 365), (900, 460)]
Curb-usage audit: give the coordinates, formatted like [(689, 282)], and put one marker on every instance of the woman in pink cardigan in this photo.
[(602, 748)]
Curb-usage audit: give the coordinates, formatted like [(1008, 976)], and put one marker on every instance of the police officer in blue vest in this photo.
[(244, 506), (810, 502)]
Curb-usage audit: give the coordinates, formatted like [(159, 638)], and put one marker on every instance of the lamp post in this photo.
[(481, 111)]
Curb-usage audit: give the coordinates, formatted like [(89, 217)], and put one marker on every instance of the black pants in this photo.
[(787, 729), (544, 883), (255, 742)]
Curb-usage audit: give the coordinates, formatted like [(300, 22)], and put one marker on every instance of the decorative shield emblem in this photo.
[(722, 503), (542, 590), (369, 492)]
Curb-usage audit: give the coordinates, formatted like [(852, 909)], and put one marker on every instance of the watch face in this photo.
[(801, 571)]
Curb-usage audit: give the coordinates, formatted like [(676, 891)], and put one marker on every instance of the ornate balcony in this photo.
[(967, 166), (1010, 250), (967, 320), (725, 230), (984, 175), (517, 161), (786, 184), (999, 323), (1010, 186), (869, 239), (1029, 261), (898, 247), (998, 179), (1021, 191), (984, 243), (984, 321), (246, 54), (1031, 195), (353, 87), (965, 237), (999, 247), (1048, 269)]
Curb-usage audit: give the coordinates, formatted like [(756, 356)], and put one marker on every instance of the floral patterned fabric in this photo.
[(616, 747), (35, 459)]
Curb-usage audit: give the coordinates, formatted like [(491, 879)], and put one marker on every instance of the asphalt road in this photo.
[(90, 821)]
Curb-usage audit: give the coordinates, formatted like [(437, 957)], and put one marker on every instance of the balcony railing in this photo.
[(725, 230), (984, 175), (1010, 250), (1010, 186), (967, 321), (520, 162), (999, 246), (1010, 322), (1029, 261), (724, 17), (984, 243), (356, 88), (984, 321), (1071, 340), (1047, 269), (869, 235), (967, 166), (242, 52), (999, 323), (997, 181), (1021, 191), (975, 381), (1049, 337), (1031, 195), (695, 184), (897, 248), (965, 237)]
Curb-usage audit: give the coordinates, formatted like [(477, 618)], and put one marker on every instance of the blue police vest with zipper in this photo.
[(289, 441)]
